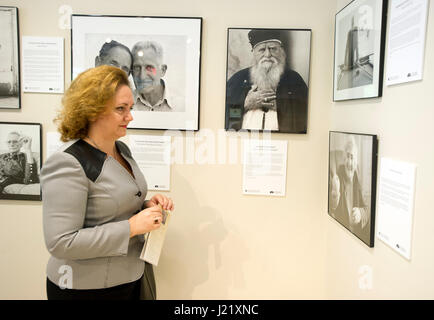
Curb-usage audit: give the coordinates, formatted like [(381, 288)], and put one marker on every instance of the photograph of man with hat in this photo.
[(268, 94)]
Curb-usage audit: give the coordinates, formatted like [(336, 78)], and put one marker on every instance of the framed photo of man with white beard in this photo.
[(352, 182), (267, 79)]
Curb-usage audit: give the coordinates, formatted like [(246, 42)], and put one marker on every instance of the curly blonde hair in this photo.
[(87, 98)]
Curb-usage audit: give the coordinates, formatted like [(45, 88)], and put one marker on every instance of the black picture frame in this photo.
[(180, 40), (360, 176), (285, 110), (10, 75), (19, 177), (359, 46)]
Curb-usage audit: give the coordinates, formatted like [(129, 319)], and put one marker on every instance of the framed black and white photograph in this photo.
[(267, 79), (20, 160), (352, 182), (360, 31), (9, 59), (161, 56)]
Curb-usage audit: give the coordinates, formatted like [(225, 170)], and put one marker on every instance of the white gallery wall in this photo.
[(402, 118), (222, 244)]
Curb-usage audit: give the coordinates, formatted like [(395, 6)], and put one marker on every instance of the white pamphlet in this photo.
[(43, 62), (152, 154), (406, 43), (395, 204), (265, 167), (154, 241)]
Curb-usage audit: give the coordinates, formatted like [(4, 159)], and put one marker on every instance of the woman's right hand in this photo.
[(145, 221)]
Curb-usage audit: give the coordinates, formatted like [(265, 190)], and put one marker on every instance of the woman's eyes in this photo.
[(123, 109)]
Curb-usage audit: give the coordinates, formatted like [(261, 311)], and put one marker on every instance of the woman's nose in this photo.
[(129, 116)]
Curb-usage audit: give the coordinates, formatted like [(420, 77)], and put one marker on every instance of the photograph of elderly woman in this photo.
[(20, 160), (267, 79)]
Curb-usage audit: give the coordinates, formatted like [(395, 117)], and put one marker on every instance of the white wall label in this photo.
[(395, 204)]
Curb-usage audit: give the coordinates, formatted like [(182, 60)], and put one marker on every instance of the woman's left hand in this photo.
[(165, 202)]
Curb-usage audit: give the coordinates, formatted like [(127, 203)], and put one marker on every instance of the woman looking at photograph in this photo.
[(94, 208)]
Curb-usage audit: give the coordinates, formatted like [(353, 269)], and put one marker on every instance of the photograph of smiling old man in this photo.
[(267, 79), (155, 65), (20, 159)]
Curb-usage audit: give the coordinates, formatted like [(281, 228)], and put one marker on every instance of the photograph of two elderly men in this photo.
[(156, 75)]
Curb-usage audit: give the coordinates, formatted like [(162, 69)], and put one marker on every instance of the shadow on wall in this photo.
[(192, 254)]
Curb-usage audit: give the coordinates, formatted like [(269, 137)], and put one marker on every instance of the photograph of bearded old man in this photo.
[(267, 80)]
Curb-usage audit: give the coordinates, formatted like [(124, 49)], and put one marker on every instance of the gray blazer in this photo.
[(88, 198)]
